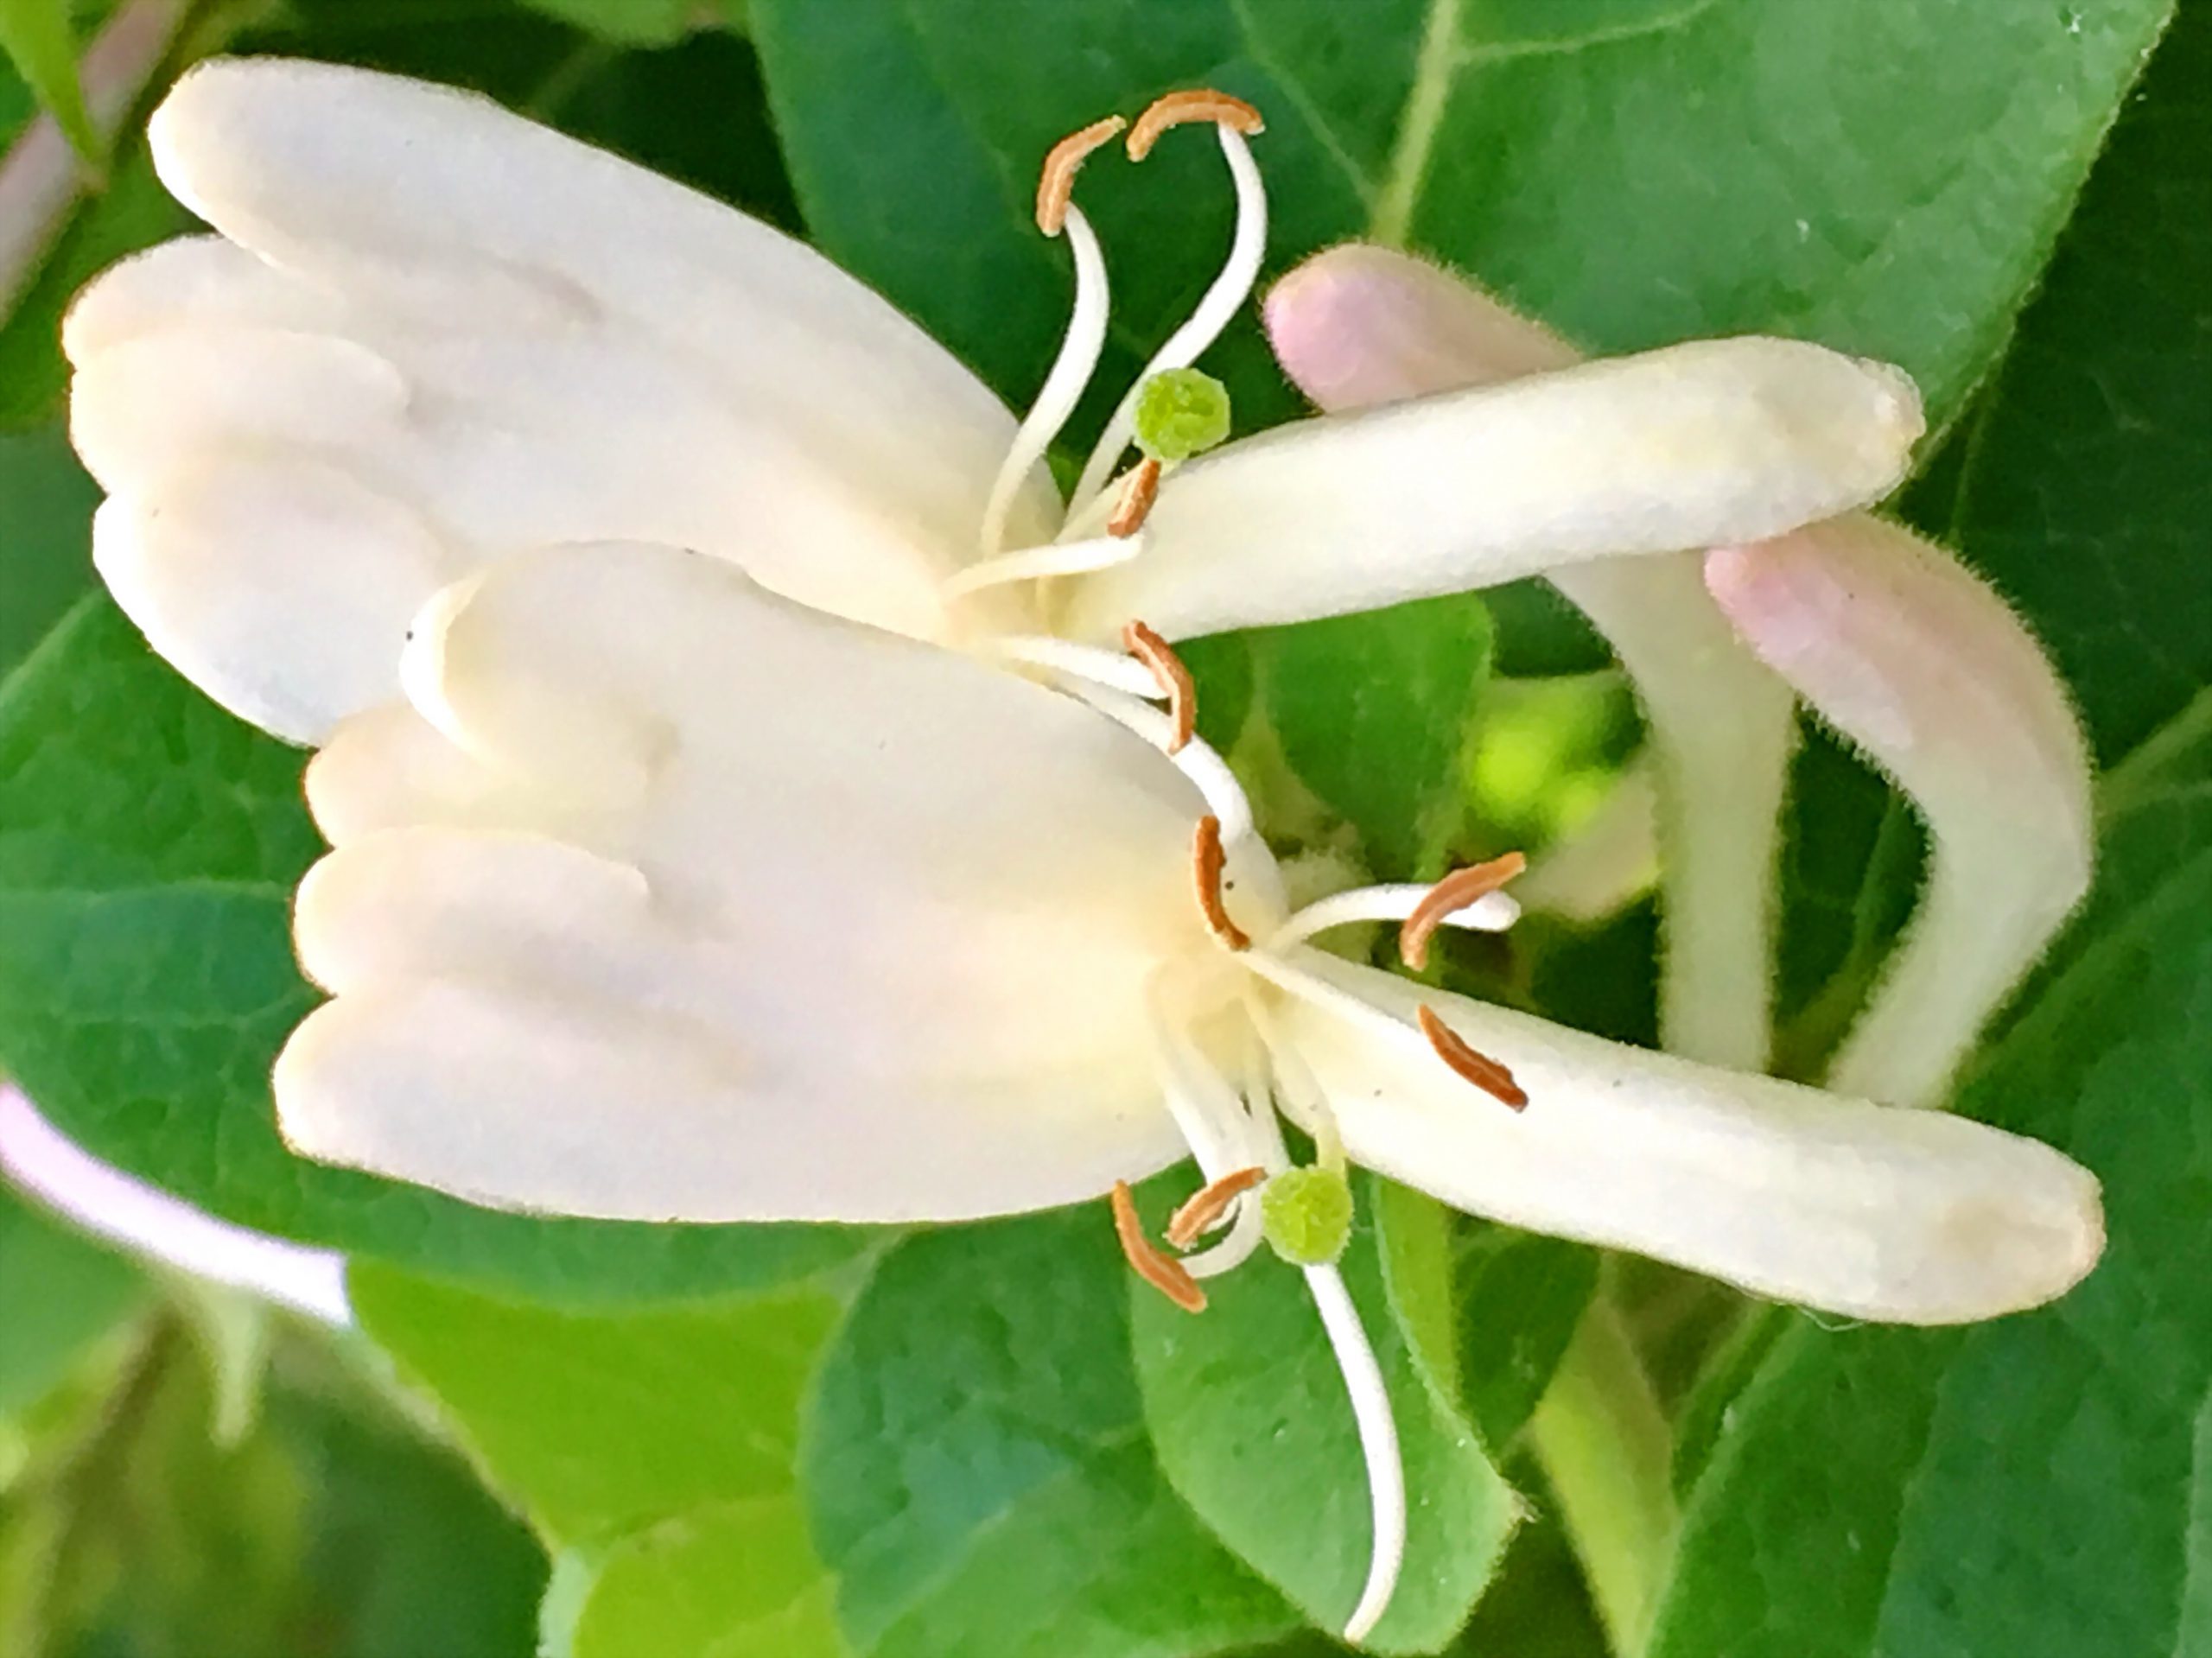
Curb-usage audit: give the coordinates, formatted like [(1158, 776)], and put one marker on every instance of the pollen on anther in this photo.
[(1138, 494), (1174, 678), (1448, 896), (1479, 1069), (1197, 103), (1162, 1271), (1209, 1203), (1056, 180), (1206, 861)]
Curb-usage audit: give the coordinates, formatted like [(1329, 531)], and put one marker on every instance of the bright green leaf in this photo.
[(977, 1470), (1250, 1413), (61, 1293), (598, 1423), (731, 1580), (36, 36)]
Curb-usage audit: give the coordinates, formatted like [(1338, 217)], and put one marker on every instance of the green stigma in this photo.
[(1181, 412), (1306, 1214)]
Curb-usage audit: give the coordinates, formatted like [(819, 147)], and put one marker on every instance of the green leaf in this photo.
[(657, 1446), (131, 212), (1249, 1411), (149, 845), (1867, 1473), (2032, 1486), (1521, 1297), (1374, 713), (731, 1580), (36, 34), (63, 1294), (976, 1466), (45, 509), (599, 1423), (1887, 176), (629, 22)]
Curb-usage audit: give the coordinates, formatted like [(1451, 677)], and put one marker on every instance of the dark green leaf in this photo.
[(130, 212), (1887, 176), (149, 845), (630, 22), (2034, 1486), (1521, 1297), (977, 1469), (1248, 1412), (46, 509), (1373, 713)]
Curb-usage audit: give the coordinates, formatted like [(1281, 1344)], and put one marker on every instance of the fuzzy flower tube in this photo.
[(756, 794)]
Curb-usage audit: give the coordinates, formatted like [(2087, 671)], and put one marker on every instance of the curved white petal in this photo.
[(1715, 440), (520, 340), (879, 930), (1358, 326), (389, 768), (1904, 1217), (359, 179), (285, 592), (1919, 663), (521, 1097)]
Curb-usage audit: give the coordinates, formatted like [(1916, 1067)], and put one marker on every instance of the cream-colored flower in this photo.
[(663, 898), (429, 333), (610, 545)]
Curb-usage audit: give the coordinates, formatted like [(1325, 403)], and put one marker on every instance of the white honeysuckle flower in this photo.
[(429, 333), (961, 969), (680, 885), (1359, 326), (1921, 664)]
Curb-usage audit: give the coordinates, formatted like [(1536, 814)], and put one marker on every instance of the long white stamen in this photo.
[(1378, 1443), (1248, 1230), (1036, 564), (1215, 1124), (1393, 901), (1083, 662), (1301, 1092), (1215, 311), (1198, 761), (1070, 373)]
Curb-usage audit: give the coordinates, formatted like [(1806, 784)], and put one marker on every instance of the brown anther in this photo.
[(1448, 897), (1174, 680), (1055, 180), (1479, 1069), (1199, 104), (1158, 1268), (1138, 494), (1209, 1203), (1206, 860)]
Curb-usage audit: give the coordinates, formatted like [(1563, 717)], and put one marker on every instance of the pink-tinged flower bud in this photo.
[(1919, 663), (1356, 326)]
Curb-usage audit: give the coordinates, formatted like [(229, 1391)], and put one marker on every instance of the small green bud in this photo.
[(1306, 1214), (1181, 412)]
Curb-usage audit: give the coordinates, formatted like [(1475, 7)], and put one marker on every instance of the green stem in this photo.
[(1606, 1446)]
